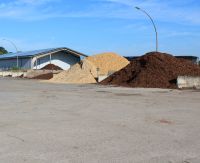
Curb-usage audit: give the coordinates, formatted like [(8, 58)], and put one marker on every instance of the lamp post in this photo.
[(153, 25), (15, 49)]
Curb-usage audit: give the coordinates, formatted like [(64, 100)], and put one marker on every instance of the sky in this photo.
[(96, 26)]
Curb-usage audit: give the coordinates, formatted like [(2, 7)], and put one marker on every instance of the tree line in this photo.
[(3, 51)]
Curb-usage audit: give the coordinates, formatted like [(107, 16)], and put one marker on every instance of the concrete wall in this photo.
[(101, 78), (61, 59), (188, 82), (12, 74)]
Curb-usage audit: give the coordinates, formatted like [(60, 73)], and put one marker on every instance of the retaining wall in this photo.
[(12, 74), (188, 82)]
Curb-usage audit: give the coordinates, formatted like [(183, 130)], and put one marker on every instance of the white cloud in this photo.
[(169, 11), (165, 10)]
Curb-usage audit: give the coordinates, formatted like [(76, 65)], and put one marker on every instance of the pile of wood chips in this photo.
[(88, 69), (108, 62)]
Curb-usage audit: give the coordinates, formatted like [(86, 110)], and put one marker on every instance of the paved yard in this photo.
[(51, 123)]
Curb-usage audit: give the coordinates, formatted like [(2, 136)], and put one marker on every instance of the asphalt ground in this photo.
[(58, 123)]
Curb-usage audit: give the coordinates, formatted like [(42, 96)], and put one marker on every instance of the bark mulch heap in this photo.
[(153, 70), (51, 67), (45, 76)]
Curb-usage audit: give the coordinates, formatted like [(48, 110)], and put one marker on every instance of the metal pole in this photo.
[(36, 63), (15, 49), (153, 25), (50, 62), (50, 58)]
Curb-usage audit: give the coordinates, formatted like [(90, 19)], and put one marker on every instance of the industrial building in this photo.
[(61, 57), (193, 59)]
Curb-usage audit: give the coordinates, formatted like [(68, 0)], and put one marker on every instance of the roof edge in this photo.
[(44, 51)]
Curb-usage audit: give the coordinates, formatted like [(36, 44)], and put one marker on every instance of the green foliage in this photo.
[(3, 51), (15, 68)]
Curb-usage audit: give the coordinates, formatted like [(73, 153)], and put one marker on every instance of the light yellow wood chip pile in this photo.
[(86, 71), (108, 62), (80, 73)]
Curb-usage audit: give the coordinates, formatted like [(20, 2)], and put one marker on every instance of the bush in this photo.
[(15, 68)]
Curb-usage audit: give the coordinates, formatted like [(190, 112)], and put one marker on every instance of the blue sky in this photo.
[(95, 26)]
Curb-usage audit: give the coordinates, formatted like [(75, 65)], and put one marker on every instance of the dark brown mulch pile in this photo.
[(51, 67), (46, 76), (153, 70)]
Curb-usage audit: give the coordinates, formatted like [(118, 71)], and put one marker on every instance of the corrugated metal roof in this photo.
[(39, 52)]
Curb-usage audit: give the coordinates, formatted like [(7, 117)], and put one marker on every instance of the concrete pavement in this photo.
[(52, 123)]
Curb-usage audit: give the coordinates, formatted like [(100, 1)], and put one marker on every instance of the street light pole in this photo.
[(153, 25), (15, 49)]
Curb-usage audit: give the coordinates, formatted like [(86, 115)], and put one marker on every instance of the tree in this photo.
[(3, 51)]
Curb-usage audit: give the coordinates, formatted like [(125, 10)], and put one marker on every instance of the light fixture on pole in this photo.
[(153, 25), (15, 49)]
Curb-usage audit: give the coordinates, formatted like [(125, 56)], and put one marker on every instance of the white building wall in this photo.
[(60, 59)]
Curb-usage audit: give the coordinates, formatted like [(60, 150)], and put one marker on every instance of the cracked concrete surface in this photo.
[(52, 123)]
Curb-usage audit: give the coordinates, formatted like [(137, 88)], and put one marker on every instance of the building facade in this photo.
[(61, 57)]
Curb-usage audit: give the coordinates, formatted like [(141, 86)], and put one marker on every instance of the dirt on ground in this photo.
[(39, 74), (153, 70), (51, 67), (46, 76)]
